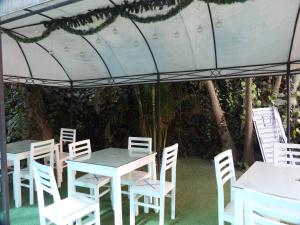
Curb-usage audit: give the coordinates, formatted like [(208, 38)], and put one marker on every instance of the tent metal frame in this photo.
[(271, 69)]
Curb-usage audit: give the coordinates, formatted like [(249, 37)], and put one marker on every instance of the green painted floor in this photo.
[(196, 200)]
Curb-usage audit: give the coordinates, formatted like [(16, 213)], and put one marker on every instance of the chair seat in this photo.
[(150, 188), (229, 212), (134, 177), (73, 208), (91, 181)]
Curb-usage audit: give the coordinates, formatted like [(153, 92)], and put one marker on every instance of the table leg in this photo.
[(238, 206), (17, 184), (71, 180), (154, 177), (117, 199)]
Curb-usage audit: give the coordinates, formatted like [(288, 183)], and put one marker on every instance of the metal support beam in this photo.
[(288, 89), (213, 34), (71, 105), (158, 131), (4, 179), (41, 10)]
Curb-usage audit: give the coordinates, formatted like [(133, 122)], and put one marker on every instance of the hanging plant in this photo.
[(108, 15)]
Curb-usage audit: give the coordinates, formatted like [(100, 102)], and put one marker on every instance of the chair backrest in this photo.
[(67, 135), (287, 154), (45, 182), (42, 150), (80, 149), (265, 209), (224, 169), (140, 144), (169, 161), (269, 130)]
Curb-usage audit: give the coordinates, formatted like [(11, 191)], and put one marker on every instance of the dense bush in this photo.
[(109, 115)]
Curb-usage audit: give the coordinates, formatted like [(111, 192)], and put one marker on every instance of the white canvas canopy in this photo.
[(204, 41)]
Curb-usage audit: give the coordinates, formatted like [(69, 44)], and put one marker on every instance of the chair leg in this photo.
[(173, 202), (59, 173), (156, 203), (146, 201), (96, 193), (132, 208), (43, 221), (31, 192), (136, 207), (112, 196), (97, 215), (162, 211)]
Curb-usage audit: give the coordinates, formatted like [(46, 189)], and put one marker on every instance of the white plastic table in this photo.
[(279, 180), (112, 162), (16, 152)]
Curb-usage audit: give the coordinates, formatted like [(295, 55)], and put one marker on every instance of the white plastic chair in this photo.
[(224, 169), (61, 211), (66, 136), (287, 154), (157, 188), (82, 150), (269, 130), (137, 145), (265, 209), (43, 150)]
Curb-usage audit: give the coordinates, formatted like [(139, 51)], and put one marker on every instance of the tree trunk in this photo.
[(276, 87), (294, 86), (226, 138), (142, 122), (248, 156), (36, 111)]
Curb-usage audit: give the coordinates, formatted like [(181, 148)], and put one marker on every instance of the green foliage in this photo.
[(109, 115), (108, 15), (14, 110)]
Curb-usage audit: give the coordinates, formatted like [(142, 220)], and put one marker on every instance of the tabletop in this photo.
[(279, 180), (19, 146), (112, 157)]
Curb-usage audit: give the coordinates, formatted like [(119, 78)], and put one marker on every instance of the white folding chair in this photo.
[(157, 188), (269, 130), (265, 209), (224, 169), (287, 154), (61, 211), (43, 150), (82, 150), (66, 136), (137, 145)]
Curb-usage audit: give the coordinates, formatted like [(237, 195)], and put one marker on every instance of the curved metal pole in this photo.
[(157, 90), (114, 54), (213, 33), (25, 58), (288, 89), (45, 49), (4, 219), (47, 8), (288, 77), (190, 40), (100, 56), (86, 40)]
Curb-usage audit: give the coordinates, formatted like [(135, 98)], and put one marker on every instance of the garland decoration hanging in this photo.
[(152, 19), (108, 15)]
